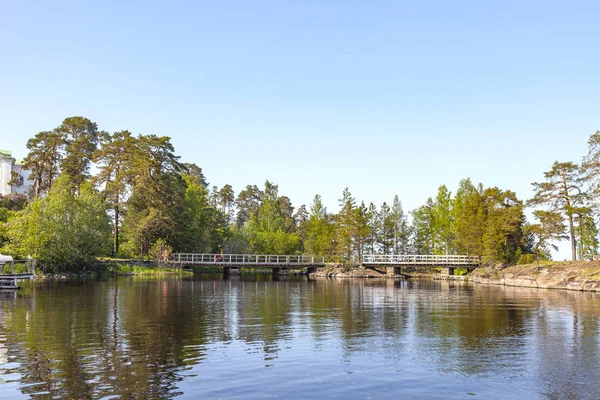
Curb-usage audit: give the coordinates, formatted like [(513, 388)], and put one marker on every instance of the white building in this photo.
[(8, 165)]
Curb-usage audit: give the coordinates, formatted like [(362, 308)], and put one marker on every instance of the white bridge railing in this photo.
[(405, 259), (246, 259)]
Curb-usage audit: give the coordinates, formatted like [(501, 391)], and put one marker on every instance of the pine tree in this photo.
[(562, 192)]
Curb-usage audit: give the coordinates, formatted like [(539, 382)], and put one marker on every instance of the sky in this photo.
[(382, 97)]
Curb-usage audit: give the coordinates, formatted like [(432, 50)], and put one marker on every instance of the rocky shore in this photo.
[(579, 275), (338, 271)]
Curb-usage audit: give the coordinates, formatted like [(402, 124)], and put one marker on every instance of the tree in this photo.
[(64, 230), (247, 204), (424, 238), (400, 228), (385, 225), (470, 218), (586, 232), (116, 173), (268, 229), (360, 231), (155, 209), (195, 172), (590, 167), (551, 227), (81, 139), (226, 198), (372, 216), (345, 225), (561, 192), (503, 238), (442, 228), (319, 230), (43, 160)]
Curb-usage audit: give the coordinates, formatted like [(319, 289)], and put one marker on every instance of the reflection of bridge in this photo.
[(283, 263)]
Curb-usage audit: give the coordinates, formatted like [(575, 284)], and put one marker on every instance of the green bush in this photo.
[(526, 259)]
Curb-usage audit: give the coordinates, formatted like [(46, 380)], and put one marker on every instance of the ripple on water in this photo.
[(243, 339)]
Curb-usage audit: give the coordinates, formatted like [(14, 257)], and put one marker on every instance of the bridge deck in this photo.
[(247, 260), (420, 260)]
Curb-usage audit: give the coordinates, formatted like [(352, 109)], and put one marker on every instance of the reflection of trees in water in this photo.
[(138, 338), (566, 345)]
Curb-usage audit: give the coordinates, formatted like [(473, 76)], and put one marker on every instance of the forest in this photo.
[(143, 200)]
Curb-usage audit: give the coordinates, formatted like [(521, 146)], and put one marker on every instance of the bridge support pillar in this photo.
[(393, 271), (447, 271)]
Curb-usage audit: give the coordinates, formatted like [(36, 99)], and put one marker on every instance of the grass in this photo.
[(127, 269)]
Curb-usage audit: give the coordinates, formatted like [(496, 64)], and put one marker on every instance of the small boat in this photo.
[(5, 259)]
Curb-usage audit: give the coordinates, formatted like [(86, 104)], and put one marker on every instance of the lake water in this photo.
[(252, 337)]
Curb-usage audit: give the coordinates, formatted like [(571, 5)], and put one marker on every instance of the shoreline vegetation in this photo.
[(106, 196), (563, 275)]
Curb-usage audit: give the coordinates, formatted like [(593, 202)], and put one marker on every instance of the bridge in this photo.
[(231, 263), (282, 264), (394, 262)]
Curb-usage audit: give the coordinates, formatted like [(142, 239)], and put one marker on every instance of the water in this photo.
[(254, 338)]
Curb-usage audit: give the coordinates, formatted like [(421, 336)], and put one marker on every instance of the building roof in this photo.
[(6, 154)]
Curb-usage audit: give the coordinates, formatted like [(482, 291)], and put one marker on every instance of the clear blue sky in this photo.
[(385, 97)]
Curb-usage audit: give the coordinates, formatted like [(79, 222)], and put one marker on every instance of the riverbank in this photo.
[(107, 269), (578, 275), (338, 271)]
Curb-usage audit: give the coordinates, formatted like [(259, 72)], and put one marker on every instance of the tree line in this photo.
[(142, 200)]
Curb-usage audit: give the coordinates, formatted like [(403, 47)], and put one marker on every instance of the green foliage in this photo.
[(160, 252), (63, 231), (43, 160), (561, 192), (81, 139), (271, 228), (319, 230), (526, 259)]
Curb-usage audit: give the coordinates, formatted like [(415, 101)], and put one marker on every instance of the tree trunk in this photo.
[(573, 240), (116, 232)]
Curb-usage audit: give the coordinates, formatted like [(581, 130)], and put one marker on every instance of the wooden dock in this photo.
[(8, 279)]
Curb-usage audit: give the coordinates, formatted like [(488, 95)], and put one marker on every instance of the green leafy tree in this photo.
[(423, 222), (372, 215), (549, 228), (442, 222), (586, 232), (205, 227), (116, 173), (226, 199), (247, 203), (400, 227), (268, 230), (345, 226), (470, 218), (361, 231), (503, 239), (561, 192), (385, 231), (43, 160), (63, 230), (319, 230), (155, 209), (81, 140)]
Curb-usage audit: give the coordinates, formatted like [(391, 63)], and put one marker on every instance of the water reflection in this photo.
[(293, 338)]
